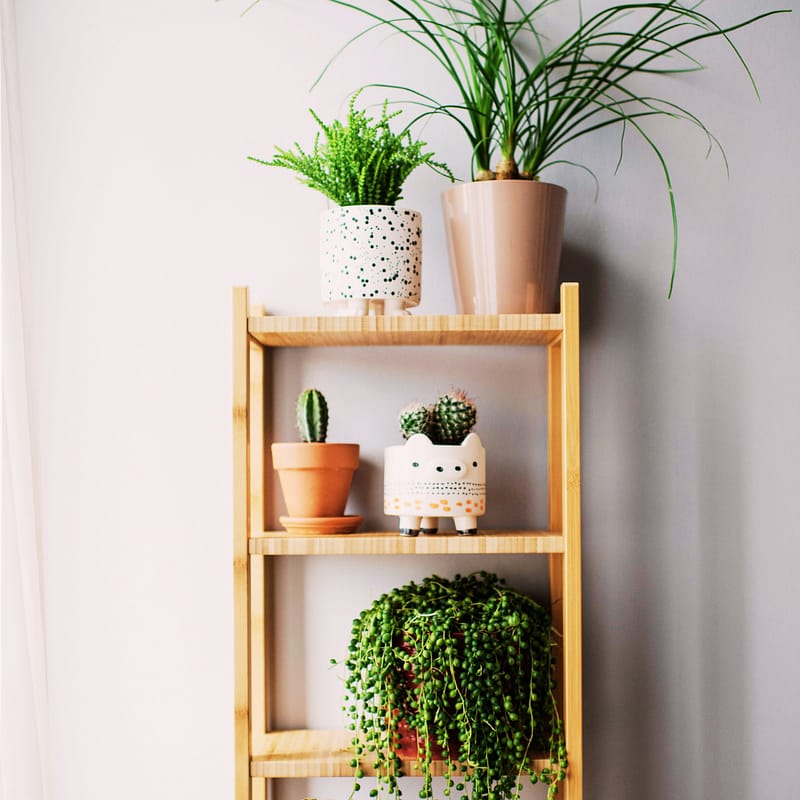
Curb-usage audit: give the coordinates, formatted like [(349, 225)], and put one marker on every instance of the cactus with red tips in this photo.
[(448, 421), (455, 416)]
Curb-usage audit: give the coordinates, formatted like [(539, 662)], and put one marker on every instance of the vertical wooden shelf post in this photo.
[(250, 571), (241, 533), (564, 468)]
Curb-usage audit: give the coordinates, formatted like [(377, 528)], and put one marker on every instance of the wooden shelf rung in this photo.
[(321, 753), (453, 329), (277, 543)]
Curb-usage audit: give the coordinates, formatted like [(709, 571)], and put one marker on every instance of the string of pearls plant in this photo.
[(466, 663)]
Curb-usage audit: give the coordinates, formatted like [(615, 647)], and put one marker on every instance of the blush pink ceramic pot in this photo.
[(504, 240)]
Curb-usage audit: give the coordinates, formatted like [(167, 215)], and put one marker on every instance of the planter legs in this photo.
[(467, 525), (429, 525), (411, 526), (362, 307), (356, 308)]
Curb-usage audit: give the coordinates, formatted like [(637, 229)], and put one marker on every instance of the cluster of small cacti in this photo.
[(447, 421), (312, 416)]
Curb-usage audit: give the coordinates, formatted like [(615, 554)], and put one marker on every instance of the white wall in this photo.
[(143, 212)]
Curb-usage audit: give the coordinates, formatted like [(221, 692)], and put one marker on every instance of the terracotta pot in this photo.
[(371, 255), (504, 240), (315, 477), (411, 745)]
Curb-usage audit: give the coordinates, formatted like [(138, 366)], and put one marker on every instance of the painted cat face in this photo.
[(425, 461)]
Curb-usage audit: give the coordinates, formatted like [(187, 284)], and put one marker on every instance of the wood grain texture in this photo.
[(282, 543), (259, 789), (555, 518), (319, 753), (571, 524), (258, 652), (259, 622), (455, 329), (241, 527)]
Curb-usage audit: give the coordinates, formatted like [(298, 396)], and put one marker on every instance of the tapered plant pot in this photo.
[(371, 257), (504, 240), (315, 478)]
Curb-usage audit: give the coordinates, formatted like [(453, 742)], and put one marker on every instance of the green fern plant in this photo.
[(359, 162)]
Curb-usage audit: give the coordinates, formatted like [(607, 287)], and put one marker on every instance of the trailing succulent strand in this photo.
[(360, 162), (448, 421), (312, 416), (467, 664)]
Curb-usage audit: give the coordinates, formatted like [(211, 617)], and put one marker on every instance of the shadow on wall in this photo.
[(725, 743), (582, 266), (665, 617)]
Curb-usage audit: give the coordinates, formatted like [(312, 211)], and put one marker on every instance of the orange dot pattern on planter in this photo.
[(424, 506)]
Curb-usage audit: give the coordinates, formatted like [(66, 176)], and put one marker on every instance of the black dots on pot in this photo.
[(371, 253)]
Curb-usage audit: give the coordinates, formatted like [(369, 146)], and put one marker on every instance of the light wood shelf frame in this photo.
[(262, 753)]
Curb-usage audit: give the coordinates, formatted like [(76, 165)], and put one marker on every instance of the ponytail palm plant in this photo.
[(521, 101)]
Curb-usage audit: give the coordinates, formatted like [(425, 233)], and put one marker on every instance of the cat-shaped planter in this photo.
[(424, 482)]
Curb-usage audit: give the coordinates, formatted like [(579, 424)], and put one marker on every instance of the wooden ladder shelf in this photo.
[(262, 754)]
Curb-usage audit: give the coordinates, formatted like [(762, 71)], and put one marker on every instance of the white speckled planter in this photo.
[(423, 482), (371, 256)]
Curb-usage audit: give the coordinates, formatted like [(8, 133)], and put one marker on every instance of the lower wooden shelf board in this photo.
[(320, 754), (283, 543), (303, 754)]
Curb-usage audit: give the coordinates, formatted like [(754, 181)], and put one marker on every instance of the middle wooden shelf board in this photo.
[(281, 543)]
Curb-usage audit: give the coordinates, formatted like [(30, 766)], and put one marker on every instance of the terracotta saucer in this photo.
[(315, 525)]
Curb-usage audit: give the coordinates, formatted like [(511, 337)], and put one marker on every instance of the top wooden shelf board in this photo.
[(456, 329)]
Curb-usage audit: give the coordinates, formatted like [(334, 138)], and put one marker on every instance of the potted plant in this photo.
[(370, 248), (461, 670), (315, 475), (521, 99), (440, 471)]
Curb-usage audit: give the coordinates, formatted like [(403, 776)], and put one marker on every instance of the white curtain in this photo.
[(23, 675)]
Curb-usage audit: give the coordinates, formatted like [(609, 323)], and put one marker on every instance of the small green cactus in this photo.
[(312, 416), (416, 418), (455, 416), (448, 421)]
